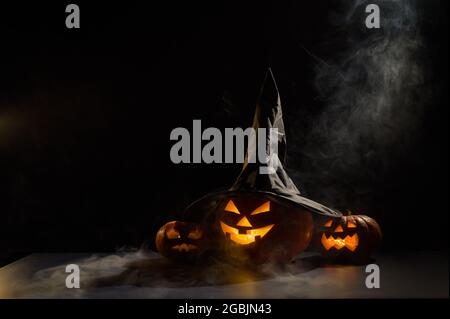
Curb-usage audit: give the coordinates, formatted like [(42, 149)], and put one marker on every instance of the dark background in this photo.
[(85, 117)]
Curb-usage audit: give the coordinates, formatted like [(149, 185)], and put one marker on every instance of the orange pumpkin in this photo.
[(182, 241), (349, 238), (258, 228)]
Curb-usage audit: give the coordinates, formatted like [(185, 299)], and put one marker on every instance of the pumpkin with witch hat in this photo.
[(262, 217)]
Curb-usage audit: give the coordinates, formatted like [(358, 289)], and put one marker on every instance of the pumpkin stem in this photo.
[(348, 212)]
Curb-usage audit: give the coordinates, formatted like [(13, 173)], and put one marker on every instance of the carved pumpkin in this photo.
[(182, 241), (351, 237), (259, 228)]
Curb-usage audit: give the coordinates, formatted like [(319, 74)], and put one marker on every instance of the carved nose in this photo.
[(244, 222), (339, 229)]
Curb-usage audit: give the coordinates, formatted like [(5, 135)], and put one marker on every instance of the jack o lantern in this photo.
[(183, 241), (350, 237), (260, 228)]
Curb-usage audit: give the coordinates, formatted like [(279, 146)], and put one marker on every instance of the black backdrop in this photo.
[(85, 117)]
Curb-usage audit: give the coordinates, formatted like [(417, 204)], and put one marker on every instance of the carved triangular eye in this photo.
[(195, 234), (351, 225), (328, 223), (231, 208), (171, 233), (264, 208)]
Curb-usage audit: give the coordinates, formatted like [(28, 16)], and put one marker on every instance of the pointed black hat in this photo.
[(268, 116), (254, 176)]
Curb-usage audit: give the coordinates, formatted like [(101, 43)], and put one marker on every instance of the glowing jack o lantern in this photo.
[(352, 237), (337, 241), (260, 228), (182, 241)]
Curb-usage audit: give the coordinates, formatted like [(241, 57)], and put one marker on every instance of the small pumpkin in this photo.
[(182, 241), (258, 228), (349, 238)]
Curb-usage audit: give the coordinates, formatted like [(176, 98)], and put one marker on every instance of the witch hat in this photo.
[(268, 116), (256, 176)]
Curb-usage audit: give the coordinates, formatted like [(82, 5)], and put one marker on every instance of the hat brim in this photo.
[(210, 202)]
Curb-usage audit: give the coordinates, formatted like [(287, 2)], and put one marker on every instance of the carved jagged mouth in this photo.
[(250, 236), (349, 242), (184, 247)]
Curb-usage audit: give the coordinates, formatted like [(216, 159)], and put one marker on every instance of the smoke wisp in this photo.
[(374, 91)]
